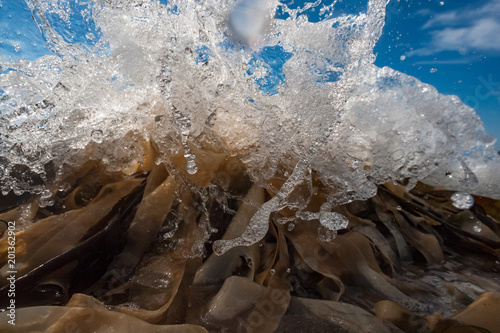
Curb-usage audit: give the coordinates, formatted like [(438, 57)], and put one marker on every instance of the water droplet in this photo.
[(272, 271), (290, 227), (191, 166), (477, 228), (462, 200), (248, 20), (97, 136), (399, 208)]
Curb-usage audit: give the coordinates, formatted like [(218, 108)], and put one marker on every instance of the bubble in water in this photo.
[(326, 235), (162, 283), (433, 70), (441, 3), (462, 200), (288, 270), (290, 227), (131, 305), (46, 199), (477, 228), (398, 154), (333, 221), (97, 136), (282, 220), (272, 271), (402, 58)]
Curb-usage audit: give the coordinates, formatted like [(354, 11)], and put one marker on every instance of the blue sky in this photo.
[(453, 45), (19, 35)]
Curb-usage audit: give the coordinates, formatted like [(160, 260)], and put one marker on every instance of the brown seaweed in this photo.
[(133, 252)]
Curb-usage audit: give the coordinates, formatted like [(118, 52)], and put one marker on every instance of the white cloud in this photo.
[(483, 35), (463, 31), (440, 19)]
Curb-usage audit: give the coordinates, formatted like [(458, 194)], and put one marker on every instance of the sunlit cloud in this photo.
[(462, 31)]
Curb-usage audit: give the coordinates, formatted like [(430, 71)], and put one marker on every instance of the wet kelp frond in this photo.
[(134, 251)]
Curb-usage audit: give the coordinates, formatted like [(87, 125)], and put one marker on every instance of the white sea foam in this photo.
[(284, 91)]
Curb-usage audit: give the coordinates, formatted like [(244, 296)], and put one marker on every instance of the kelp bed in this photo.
[(133, 253)]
